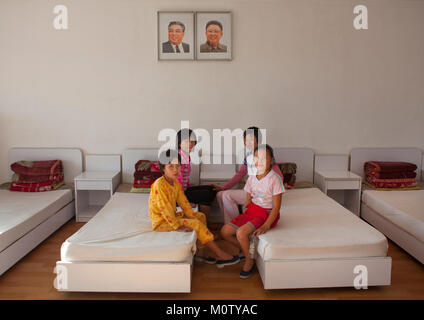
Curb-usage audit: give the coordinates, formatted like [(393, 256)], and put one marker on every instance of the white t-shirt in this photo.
[(263, 190)]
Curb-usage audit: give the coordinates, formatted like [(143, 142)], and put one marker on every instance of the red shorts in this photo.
[(255, 216)]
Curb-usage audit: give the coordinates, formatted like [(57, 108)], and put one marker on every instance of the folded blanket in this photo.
[(385, 184), (142, 175), (37, 168), (142, 184), (389, 166), (391, 175), (288, 169), (415, 187), (23, 178), (35, 185), (373, 179), (147, 166), (51, 187)]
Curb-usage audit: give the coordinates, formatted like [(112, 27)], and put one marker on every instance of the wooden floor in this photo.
[(32, 278)]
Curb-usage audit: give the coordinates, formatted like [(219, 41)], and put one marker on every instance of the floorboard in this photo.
[(32, 278)]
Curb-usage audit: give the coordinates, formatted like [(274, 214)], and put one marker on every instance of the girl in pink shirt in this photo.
[(229, 199), (261, 208)]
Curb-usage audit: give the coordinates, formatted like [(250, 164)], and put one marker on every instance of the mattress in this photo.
[(314, 226), (405, 209), (122, 231), (20, 212)]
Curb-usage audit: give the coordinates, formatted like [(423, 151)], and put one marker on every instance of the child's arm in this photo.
[(276, 204), (247, 201), (161, 204), (235, 179)]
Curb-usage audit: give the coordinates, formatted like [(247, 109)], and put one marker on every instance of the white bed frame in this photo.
[(314, 273), (276, 274), (104, 276), (358, 157), (72, 165)]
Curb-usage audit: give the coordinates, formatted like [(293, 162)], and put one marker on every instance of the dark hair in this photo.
[(177, 22), (255, 131), (184, 134), (267, 147), (167, 156), (214, 22)]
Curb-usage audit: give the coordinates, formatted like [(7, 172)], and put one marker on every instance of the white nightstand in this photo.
[(218, 173), (95, 186), (342, 186), (92, 190)]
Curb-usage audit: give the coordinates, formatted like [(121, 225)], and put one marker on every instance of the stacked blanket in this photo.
[(288, 169), (387, 175), (37, 176), (146, 172)]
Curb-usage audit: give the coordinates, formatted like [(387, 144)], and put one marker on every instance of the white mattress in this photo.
[(20, 212), (122, 231), (314, 226), (405, 209)]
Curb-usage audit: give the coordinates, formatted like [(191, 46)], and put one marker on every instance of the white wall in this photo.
[(299, 69)]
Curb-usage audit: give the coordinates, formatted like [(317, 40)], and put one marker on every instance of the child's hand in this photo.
[(216, 188), (261, 230), (245, 206)]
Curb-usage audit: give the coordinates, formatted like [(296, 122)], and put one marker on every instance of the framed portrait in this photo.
[(213, 35), (176, 35)]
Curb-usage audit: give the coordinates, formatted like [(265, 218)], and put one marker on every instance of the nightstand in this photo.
[(218, 174), (342, 186), (95, 186), (92, 190)]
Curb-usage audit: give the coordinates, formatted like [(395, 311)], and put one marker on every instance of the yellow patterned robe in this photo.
[(163, 210)]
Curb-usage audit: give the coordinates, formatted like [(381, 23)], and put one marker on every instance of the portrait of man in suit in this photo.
[(175, 42), (214, 32)]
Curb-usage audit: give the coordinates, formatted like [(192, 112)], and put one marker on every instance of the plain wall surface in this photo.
[(299, 69)]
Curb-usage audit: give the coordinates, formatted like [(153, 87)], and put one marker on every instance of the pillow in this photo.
[(288, 169)]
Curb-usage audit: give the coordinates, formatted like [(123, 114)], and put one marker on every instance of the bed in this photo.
[(26, 219), (318, 242), (117, 251), (397, 214)]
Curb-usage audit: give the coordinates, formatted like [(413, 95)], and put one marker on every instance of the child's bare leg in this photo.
[(228, 233), (220, 254), (243, 238)]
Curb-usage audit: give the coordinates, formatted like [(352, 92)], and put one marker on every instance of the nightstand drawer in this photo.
[(93, 185), (343, 185)]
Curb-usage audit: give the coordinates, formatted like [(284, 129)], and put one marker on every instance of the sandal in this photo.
[(223, 263), (208, 260), (247, 274)]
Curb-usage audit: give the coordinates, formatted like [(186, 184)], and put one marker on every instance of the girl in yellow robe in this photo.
[(165, 193)]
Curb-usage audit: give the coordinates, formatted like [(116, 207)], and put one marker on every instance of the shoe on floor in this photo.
[(223, 263), (247, 274), (208, 260)]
